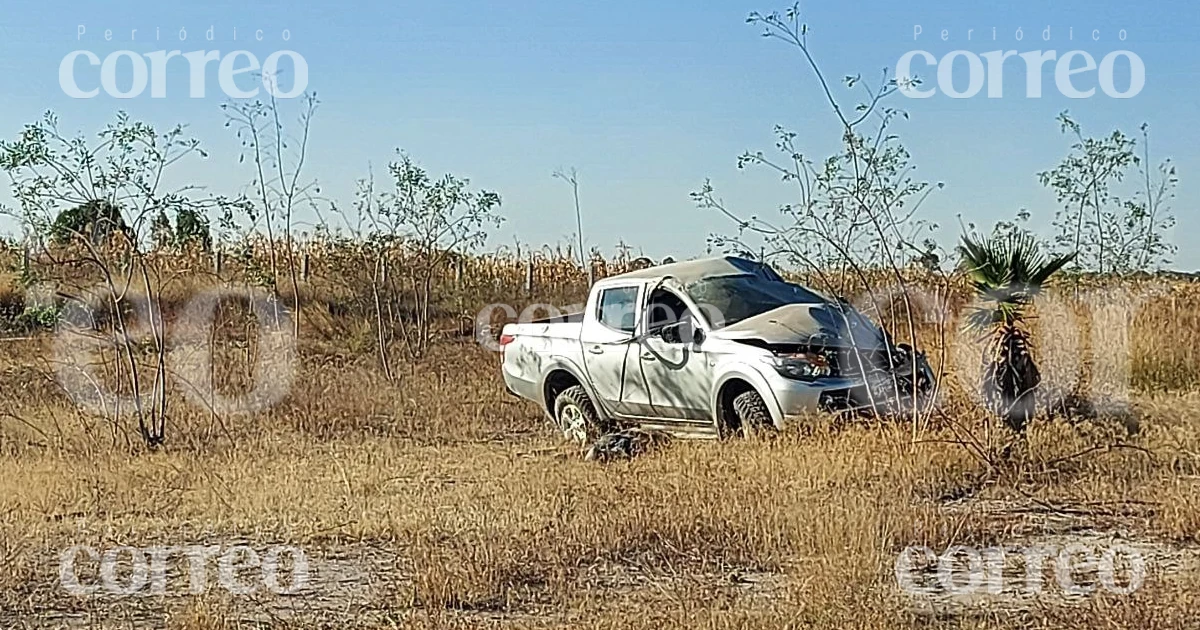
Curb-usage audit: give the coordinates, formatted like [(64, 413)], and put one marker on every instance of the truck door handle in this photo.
[(596, 350), (649, 356)]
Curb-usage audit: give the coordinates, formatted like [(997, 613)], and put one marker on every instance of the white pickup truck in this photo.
[(706, 348)]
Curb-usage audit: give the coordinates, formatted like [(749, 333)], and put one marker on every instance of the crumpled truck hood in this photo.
[(823, 325)]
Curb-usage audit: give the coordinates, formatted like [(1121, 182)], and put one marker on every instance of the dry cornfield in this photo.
[(436, 500)]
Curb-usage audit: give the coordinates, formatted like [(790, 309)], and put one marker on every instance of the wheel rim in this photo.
[(573, 424)]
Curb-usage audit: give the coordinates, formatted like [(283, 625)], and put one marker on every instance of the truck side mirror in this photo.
[(670, 333), (681, 332)]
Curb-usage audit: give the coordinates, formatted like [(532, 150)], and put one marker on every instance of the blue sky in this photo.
[(646, 99)]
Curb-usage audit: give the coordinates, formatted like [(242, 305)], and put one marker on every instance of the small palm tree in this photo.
[(1008, 271)]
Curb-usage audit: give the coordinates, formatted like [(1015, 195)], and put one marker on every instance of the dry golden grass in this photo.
[(438, 501)]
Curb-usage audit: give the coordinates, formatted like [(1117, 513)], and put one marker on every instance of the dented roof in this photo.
[(690, 271)]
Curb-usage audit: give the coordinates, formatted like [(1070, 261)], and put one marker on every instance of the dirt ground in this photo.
[(439, 501)]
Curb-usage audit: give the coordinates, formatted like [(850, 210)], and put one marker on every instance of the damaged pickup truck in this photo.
[(707, 348)]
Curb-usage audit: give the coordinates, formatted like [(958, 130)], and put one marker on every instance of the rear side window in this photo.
[(618, 308)]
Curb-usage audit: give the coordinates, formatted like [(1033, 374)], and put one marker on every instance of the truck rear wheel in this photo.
[(752, 414), (576, 416)]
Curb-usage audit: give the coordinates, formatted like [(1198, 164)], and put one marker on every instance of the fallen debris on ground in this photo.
[(625, 444)]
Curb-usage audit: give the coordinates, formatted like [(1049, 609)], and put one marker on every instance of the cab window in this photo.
[(618, 308), (666, 308)]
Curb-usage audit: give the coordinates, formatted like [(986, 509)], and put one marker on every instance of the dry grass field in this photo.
[(437, 500)]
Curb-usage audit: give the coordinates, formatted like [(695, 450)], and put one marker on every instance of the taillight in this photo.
[(507, 339)]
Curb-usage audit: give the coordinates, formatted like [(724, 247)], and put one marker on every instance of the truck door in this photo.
[(606, 336), (676, 375)]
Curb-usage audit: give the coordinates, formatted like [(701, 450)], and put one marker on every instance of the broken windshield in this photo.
[(728, 300)]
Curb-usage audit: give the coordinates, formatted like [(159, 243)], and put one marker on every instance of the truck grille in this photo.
[(856, 361)]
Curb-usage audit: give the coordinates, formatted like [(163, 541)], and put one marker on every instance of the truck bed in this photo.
[(569, 318)]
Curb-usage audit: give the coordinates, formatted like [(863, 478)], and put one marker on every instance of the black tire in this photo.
[(583, 429), (752, 414)]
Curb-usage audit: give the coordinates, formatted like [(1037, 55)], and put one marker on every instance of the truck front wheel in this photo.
[(576, 416), (752, 414)]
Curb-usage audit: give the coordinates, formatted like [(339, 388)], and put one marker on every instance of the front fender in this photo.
[(751, 375)]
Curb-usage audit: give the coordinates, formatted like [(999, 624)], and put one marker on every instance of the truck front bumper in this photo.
[(880, 395), (797, 398)]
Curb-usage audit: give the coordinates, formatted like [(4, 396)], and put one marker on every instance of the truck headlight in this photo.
[(803, 366)]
